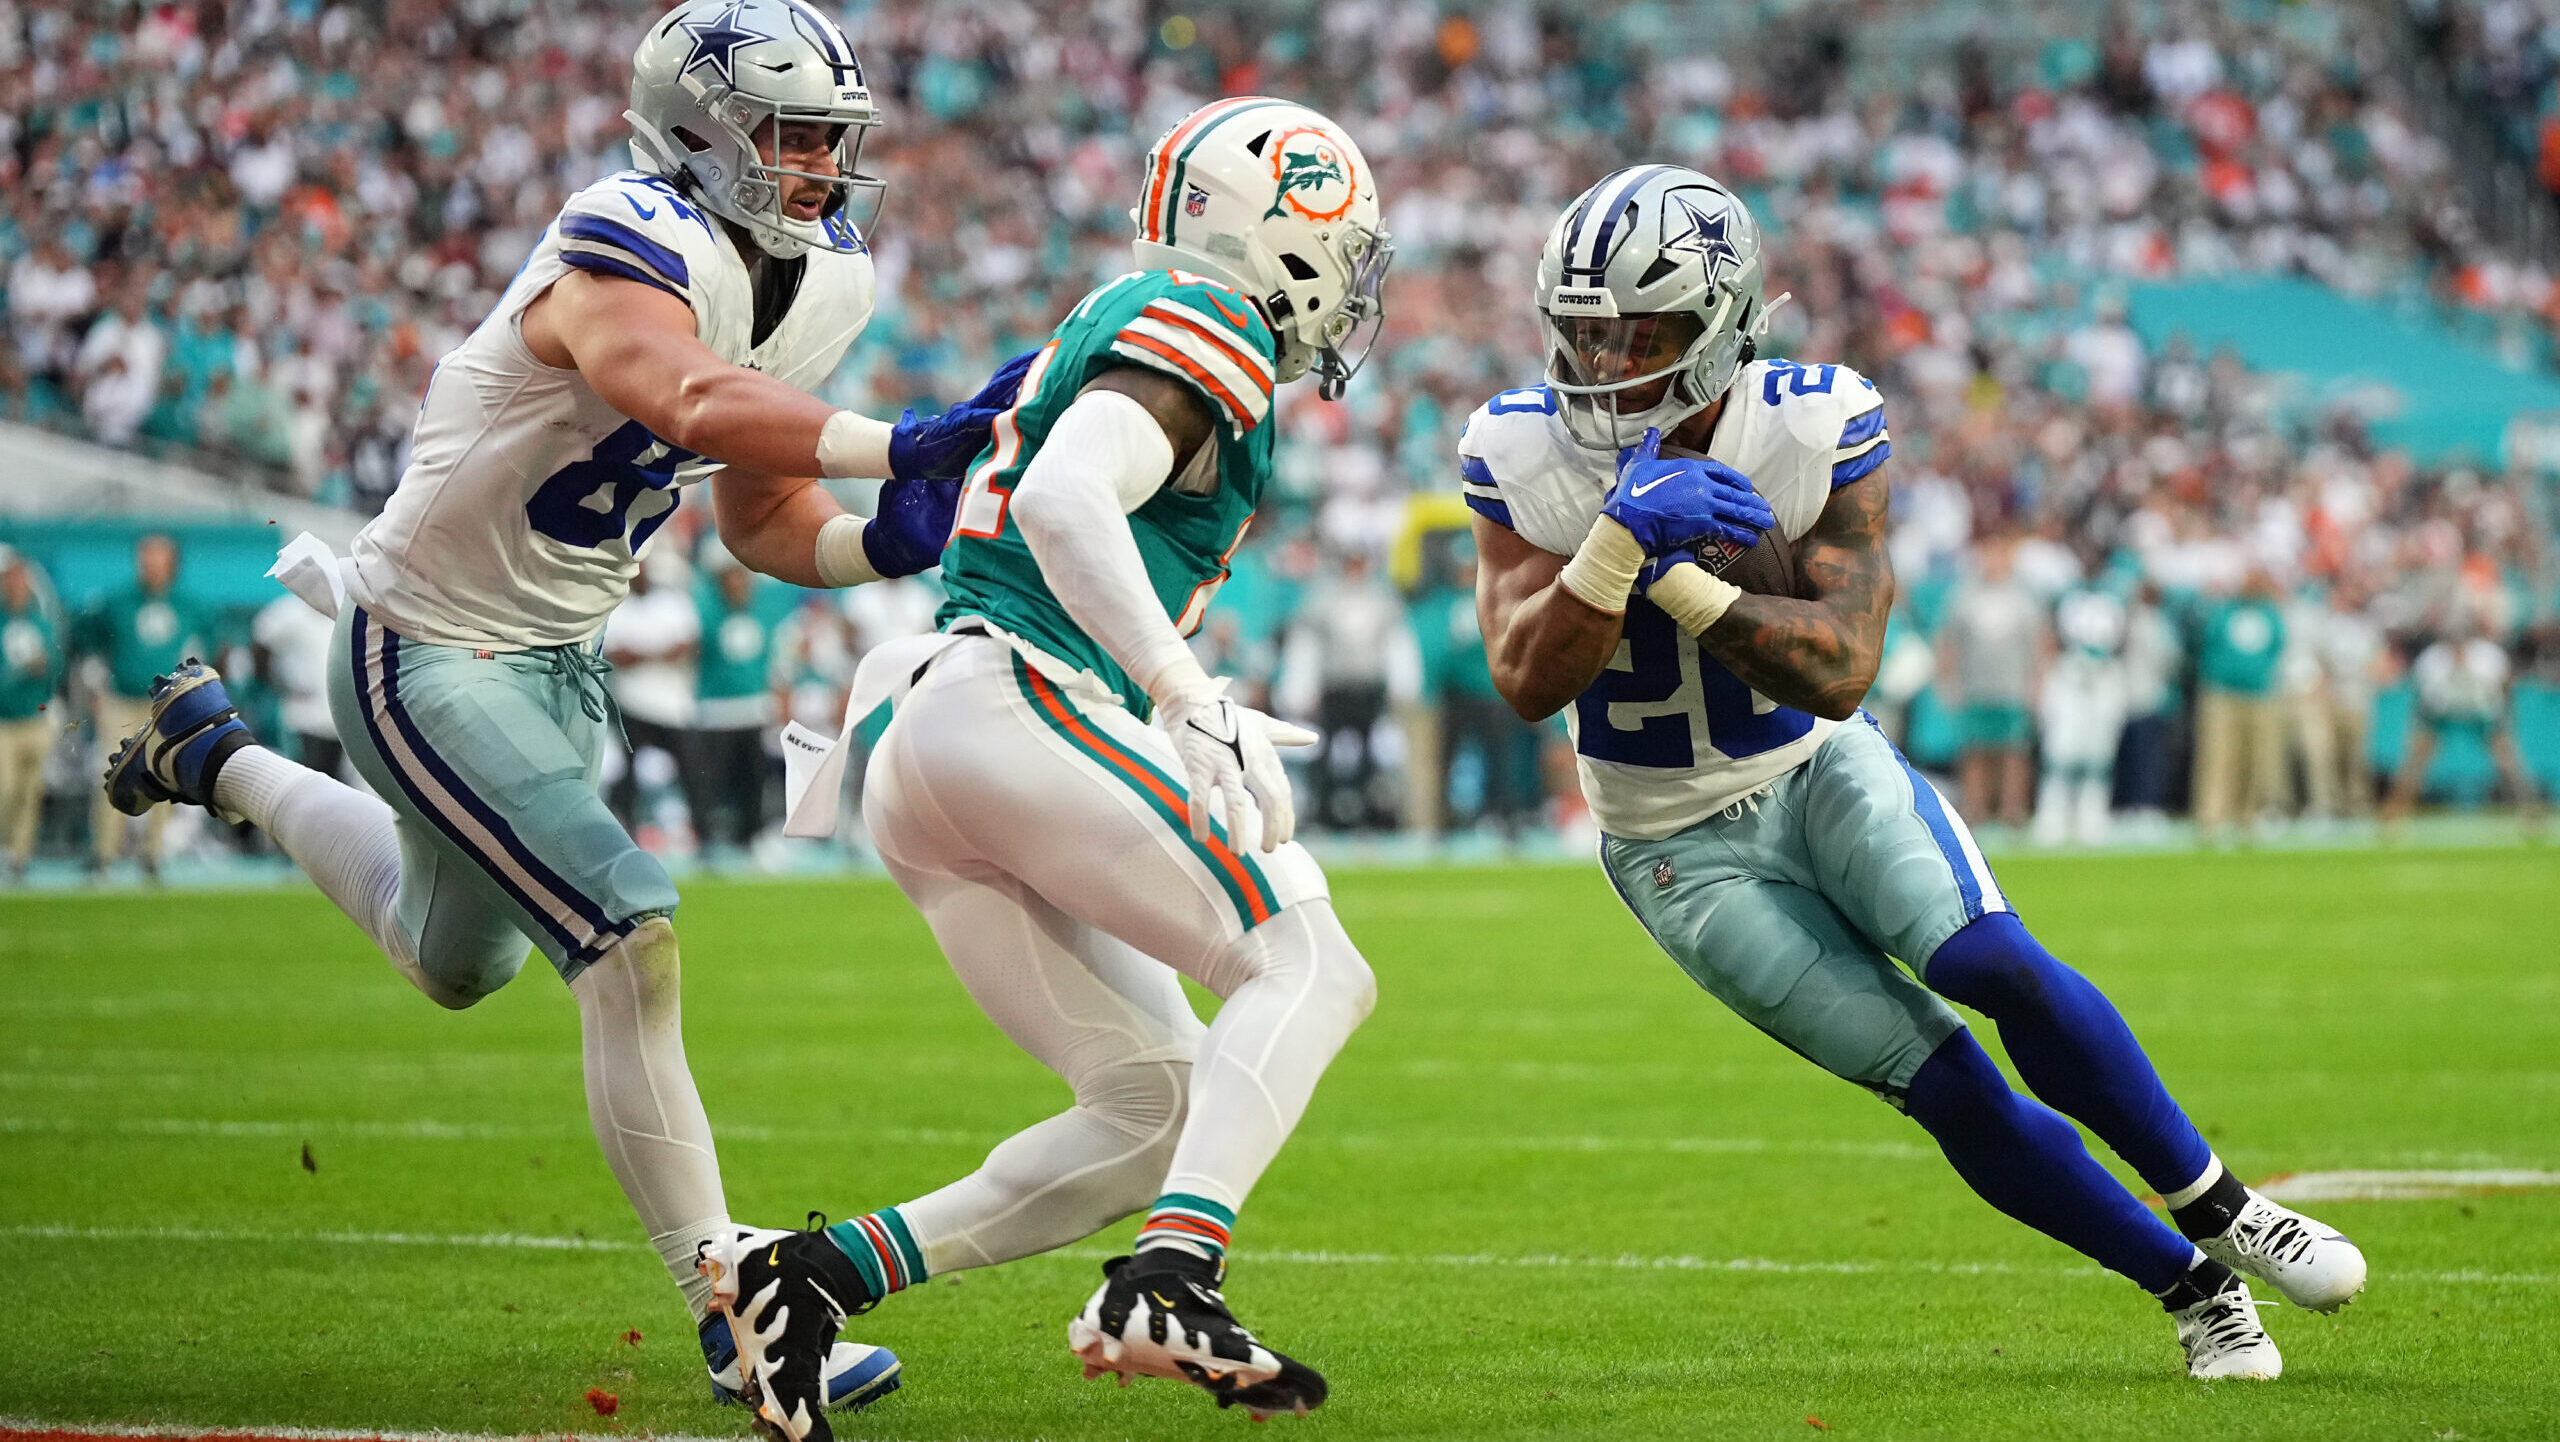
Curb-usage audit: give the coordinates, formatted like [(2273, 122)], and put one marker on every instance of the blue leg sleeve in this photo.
[(2029, 1163), (2071, 1047)]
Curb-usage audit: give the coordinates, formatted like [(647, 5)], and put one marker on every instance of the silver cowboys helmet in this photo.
[(1649, 295), (1274, 200), (714, 76)]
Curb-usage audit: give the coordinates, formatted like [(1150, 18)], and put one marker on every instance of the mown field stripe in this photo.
[(1625, 1261)]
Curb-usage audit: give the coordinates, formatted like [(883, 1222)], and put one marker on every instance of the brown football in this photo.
[(1765, 569)]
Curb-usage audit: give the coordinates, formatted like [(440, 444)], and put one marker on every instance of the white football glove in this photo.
[(1227, 755)]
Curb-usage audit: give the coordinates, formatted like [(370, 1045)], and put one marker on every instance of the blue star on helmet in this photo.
[(1698, 234), (716, 43)]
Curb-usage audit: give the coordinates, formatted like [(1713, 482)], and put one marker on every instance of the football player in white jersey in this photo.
[(665, 330), (2080, 716), (1757, 823)]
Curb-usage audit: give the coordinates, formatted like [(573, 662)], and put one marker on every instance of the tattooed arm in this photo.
[(1818, 651)]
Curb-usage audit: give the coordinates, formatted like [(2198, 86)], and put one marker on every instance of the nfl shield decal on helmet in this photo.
[(1195, 202), (1314, 176)]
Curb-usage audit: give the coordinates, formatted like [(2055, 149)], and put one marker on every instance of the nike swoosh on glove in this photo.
[(1668, 505), (1227, 755), (941, 447), (911, 525)]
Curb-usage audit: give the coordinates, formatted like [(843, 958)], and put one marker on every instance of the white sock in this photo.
[(641, 1100), (2202, 1184), (1295, 989), (346, 841)]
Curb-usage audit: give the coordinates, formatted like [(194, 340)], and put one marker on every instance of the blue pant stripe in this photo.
[(1933, 814), (512, 864)]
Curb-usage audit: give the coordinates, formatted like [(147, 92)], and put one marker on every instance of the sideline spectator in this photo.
[(31, 670), (2353, 655), (2153, 707), (738, 702), (2239, 717), (291, 643), (1995, 641), (1350, 633), (651, 639), (133, 636), (2462, 683), (2081, 717)]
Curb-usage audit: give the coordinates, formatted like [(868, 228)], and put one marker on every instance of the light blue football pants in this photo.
[(1791, 907)]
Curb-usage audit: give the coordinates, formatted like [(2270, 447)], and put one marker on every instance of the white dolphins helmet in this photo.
[(1651, 280), (713, 75), (1274, 200)]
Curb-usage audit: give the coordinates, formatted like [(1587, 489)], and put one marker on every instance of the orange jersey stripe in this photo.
[(1067, 717), (1195, 370), (1244, 360)]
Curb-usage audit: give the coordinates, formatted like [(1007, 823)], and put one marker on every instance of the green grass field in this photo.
[(1551, 1190)]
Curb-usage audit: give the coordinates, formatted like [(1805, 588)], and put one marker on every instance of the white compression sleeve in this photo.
[(641, 1100), (346, 841), (1102, 460)]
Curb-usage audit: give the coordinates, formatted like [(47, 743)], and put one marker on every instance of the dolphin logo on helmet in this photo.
[(1274, 201)]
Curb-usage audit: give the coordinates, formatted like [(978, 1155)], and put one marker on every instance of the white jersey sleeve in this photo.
[(528, 500), (1667, 737)]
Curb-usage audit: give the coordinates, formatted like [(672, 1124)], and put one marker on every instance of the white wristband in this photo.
[(1604, 570), (853, 445), (841, 559), (1692, 598)]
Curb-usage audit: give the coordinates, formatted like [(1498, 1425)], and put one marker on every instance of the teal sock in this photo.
[(1189, 1223), (882, 1250)]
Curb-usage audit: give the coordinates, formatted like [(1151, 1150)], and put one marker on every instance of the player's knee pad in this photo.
[(461, 971), (1994, 966)]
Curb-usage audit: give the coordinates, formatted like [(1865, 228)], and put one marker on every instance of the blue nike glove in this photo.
[(941, 447), (1670, 504), (911, 526)]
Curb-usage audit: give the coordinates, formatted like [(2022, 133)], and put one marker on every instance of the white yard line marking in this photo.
[(2394, 1186), (1463, 1261)]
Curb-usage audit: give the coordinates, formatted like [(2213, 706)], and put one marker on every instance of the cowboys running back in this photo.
[(1076, 861), (1754, 819), (664, 332)]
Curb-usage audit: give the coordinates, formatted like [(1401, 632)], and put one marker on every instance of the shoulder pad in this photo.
[(1823, 408), (637, 227), (1197, 331)]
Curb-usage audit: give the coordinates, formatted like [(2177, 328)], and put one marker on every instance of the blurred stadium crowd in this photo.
[(245, 230)]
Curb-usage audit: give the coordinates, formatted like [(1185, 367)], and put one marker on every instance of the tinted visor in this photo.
[(1608, 351)]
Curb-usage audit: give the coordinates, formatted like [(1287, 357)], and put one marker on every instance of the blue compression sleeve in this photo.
[(2029, 1163), (2071, 1047)]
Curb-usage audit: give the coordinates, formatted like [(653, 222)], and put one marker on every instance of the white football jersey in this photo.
[(528, 500), (1667, 737)]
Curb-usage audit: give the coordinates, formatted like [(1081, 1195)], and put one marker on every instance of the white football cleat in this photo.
[(2224, 1340), (2311, 1263)]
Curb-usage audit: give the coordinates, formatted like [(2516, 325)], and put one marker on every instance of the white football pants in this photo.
[(1041, 835)]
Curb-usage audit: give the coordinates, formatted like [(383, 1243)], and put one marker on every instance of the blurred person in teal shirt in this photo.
[(738, 700), (136, 634), (2240, 740), (30, 680)]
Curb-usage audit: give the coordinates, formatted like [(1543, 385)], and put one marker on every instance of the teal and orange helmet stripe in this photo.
[(1156, 204), (1237, 873)]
